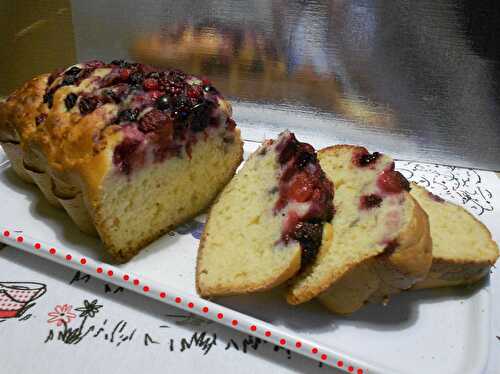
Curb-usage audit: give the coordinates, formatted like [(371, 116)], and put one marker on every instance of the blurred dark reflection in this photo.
[(419, 79)]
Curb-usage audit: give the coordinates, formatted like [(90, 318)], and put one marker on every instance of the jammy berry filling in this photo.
[(168, 110), (305, 195)]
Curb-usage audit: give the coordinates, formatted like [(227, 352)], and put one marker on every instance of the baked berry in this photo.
[(370, 201), (120, 63), (54, 75), (127, 115), (151, 84), (136, 78), (287, 149), (88, 104), (94, 64), (310, 236), (68, 80), (391, 181), (124, 74), (48, 99), (40, 119), (152, 121), (364, 158), (301, 188), (74, 71), (182, 107), (154, 75), (305, 158), (70, 100), (199, 118), (163, 102), (123, 154)]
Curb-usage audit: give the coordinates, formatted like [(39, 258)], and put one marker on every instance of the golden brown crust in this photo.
[(454, 270), (65, 153), (18, 113)]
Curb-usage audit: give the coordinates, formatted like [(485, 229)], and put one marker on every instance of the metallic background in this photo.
[(417, 79)]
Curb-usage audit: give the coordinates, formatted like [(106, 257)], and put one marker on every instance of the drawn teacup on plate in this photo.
[(16, 296)]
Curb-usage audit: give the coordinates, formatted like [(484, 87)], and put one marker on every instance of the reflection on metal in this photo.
[(418, 79)]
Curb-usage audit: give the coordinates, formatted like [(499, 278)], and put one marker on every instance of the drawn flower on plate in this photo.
[(61, 315), (89, 309)]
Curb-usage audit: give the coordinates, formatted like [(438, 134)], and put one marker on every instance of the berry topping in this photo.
[(151, 84), (364, 158), (302, 181), (53, 76), (154, 75), (152, 120), (88, 104), (286, 149), (301, 188), (163, 102), (123, 153), (310, 236), (200, 116), (305, 158), (70, 100), (74, 71), (391, 181), (370, 201), (124, 74), (127, 115), (48, 98), (175, 106), (94, 64), (120, 63), (68, 80), (182, 107), (136, 78), (40, 118)]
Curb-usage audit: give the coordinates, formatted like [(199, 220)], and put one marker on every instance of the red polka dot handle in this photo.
[(191, 303)]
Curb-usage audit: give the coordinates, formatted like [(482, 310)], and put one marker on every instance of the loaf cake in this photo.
[(129, 151), (268, 222), (381, 242), (462, 248)]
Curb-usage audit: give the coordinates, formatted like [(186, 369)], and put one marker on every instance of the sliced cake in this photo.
[(128, 150), (462, 248), (381, 242), (267, 223)]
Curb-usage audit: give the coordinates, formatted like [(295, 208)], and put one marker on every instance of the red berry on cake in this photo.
[(269, 221), (129, 151)]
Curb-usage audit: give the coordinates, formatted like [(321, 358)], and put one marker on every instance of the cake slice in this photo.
[(128, 150), (267, 223), (381, 242), (462, 248)]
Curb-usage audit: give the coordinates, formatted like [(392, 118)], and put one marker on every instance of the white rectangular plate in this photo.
[(438, 331)]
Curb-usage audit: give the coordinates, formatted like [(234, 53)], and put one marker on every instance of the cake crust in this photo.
[(454, 261), (72, 131)]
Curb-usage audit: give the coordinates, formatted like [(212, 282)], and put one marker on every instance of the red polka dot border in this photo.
[(216, 312)]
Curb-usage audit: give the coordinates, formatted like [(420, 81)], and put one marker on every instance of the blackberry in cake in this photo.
[(268, 222), (130, 151), (381, 242)]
